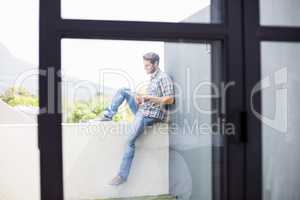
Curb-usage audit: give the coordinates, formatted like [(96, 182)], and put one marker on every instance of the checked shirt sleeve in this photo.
[(167, 86)]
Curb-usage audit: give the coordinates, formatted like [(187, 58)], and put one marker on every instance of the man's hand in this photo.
[(147, 97), (139, 99), (159, 100)]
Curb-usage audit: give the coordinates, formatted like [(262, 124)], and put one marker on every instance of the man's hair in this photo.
[(152, 57)]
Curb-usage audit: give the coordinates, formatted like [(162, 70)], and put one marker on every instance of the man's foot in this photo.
[(101, 119), (104, 118), (118, 180)]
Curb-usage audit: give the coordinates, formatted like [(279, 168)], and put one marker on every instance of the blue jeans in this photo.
[(136, 128)]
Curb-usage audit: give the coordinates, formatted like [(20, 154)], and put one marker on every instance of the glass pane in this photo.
[(19, 155), (193, 11), (173, 154), (280, 97), (280, 13)]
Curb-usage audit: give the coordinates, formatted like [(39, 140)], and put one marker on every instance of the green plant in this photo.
[(76, 112), (15, 96), (86, 110)]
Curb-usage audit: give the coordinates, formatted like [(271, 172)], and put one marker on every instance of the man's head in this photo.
[(151, 61)]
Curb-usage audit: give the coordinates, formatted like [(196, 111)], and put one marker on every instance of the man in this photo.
[(148, 109)]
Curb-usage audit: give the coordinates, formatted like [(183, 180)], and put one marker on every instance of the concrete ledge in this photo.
[(19, 158), (92, 154), (90, 159)]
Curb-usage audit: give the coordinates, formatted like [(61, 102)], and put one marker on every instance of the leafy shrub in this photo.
[(15, 96), (77, 112), (86, 110)]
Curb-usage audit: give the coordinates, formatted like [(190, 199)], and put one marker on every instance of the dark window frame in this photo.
[(254, 34), (240, 35)]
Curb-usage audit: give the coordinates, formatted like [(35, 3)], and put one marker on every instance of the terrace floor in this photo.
[(159, 197)]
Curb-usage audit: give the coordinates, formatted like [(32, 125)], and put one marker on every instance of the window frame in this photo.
[(230, 33), (254, 34)]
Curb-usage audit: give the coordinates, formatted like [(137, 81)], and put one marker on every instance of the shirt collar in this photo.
[(153, 75)]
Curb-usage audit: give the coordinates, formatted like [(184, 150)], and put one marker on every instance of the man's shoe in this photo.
[(118, 180), (100, 119), (103, 118)]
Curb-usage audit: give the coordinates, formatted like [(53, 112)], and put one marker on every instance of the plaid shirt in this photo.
[(160, 85)]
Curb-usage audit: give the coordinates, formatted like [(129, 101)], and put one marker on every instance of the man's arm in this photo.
[(159, 100), (167, 89)]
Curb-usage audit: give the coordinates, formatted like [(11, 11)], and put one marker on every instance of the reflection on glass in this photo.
[(19, 155), (280, 74), (193, 11), (280, 13), (172, 157)]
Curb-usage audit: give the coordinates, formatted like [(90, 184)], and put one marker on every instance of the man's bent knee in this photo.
[(123, 90)]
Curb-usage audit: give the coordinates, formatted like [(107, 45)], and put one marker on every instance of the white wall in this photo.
[(90, 160), (19, 162), (9, 115), (92, 154)]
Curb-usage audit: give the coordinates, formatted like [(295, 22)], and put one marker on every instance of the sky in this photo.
[(86, 59), (136, 10), (81, 58), (19, 28)]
